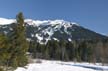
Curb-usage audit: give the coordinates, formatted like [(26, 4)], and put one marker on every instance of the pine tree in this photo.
[(19, 44), (57, 50), (64, 55), (47, 50), (100, 53), (75, 51), (4, 52)]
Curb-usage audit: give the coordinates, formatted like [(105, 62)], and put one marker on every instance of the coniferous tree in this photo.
[(4, 52), (75, 51), (70, 50), (57, 51), (64, 55), (47, 50), (19, 44)]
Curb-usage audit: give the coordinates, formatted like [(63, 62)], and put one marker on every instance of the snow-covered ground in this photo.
[(48, 65)]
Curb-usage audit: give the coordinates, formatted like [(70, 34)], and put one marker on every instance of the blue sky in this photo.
[(92, 14)]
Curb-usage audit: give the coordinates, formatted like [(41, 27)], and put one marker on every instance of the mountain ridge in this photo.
[(43, 31)]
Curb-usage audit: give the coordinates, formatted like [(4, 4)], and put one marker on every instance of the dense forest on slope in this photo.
[(77, 50)]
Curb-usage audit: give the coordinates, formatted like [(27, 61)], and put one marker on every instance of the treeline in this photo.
[(77, 50), (13, 47)]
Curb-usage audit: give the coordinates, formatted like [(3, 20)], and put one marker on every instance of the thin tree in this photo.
[(19, 44)]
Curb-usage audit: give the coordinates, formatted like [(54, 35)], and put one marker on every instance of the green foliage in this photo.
[(77, 50), (19, 45), (13, 48), (4, 51)]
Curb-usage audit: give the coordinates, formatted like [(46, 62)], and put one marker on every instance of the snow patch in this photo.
[(32, 35), (56, 39), (10, 29), (69, 39), (39, 37), (28, 39), (5, 32)]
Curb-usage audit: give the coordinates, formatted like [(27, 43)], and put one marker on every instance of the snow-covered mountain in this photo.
[(45, 30)]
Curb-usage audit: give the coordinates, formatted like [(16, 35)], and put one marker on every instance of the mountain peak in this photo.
[(5, 21)]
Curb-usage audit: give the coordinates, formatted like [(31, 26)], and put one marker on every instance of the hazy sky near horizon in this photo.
[(92, 14)]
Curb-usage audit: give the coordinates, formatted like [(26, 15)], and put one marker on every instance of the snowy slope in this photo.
[(62, 66), (4, 21), (44, 30)]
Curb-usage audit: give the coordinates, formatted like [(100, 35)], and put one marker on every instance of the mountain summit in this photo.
[(42, 31)]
